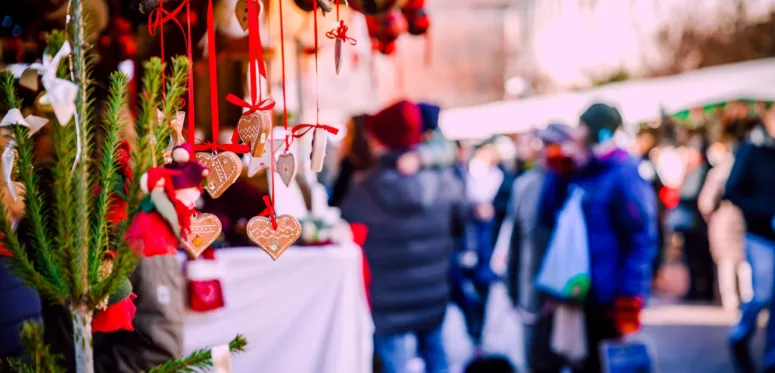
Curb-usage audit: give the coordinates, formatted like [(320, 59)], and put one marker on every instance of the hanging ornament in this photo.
[(15, 117), (255, 164), (374, 7), (340, 37), (205, 229), (309, 5), (417, 21), (241, 12), (413, 4), (253, 129), (8, 160), (176, 137), (386, 29), (225, 169), (274, 240), (286, 167)]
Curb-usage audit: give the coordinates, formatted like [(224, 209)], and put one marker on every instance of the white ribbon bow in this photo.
[(8, 159), (60, 93), (15, 116)]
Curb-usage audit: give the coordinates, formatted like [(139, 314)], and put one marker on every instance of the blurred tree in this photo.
[(736, 37)]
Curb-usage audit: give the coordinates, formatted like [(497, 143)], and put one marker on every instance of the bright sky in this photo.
[(571, 42)]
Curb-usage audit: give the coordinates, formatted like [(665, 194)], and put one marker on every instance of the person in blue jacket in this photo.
[(621, 217), (18, 304)]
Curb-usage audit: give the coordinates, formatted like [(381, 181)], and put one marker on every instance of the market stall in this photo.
[(306, 313)]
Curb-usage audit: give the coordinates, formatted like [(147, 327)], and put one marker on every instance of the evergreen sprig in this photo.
[(198, 360), (176, 88)]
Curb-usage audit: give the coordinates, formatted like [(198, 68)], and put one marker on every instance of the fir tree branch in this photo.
[(81, 75), (176, 88), (34, 207), (18, 366), (36, 347), (63, 201), (149, 102), (109, 178), (198, 360)]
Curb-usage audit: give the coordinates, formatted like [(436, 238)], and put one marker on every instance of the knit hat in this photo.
[(602, 121), (430, 116), (397, 127), (555, 133), (188, 174)]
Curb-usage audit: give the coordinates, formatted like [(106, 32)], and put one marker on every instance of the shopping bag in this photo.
[(760, 253), (569, 333), (633, 355), (565, 268)]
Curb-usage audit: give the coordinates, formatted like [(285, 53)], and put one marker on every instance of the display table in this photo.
[(304, 313)]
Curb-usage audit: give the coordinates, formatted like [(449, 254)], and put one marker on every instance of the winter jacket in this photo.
[(621, 216), (529, 240), (18, 303), (751, 183), (410, 220), (158, 336), (726, 227)]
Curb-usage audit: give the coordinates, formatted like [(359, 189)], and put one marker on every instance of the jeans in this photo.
[(394, 355), (760, 254)]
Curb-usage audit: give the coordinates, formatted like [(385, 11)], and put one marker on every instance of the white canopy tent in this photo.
[(638, 101)]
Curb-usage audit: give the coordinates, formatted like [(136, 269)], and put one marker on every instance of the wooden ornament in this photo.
[(286, 167), (338, 55), (318, 150), (241, 12), (225, 168), (274, 242), (254, 130), (205, 229)]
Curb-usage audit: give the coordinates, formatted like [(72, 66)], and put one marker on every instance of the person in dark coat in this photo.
[(18, 303), (410, 220), (529, 241), (750, 187)]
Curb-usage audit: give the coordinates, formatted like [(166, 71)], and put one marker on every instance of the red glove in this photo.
[(627, 314)]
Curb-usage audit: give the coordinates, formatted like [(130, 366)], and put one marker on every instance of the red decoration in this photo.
[(305, 5), (204, 286), (116, 317), (3, 250), (413, 4), (385, 30), (149, 235), (374, 7), (417, 20)]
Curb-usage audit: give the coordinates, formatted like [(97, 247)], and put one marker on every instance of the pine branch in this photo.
[(81, 75), (198, 360), (176, 88), (34, 208), (108, 176), (149, 102), (63, 200), (36, 347), (18, 366)]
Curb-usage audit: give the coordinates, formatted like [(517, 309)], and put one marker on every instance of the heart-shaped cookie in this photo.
[(254, 130), (225, 168), (286, 167), (205, 229), (274, 242), (241, 12)]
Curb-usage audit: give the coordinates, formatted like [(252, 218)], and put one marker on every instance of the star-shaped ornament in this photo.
[(265, 160)]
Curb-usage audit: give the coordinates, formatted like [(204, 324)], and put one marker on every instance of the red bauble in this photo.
[(387, 27), (417, 20), (387, 48), (414, 4), (374, 7), (305, 5)]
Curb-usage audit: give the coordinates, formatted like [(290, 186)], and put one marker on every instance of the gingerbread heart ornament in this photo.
[(225, 168), (205, 229), (274, 242), (286, 167), (254, 130)]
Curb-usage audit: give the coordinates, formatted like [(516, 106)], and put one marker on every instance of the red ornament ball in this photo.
[(375, 7), (305, 5), (387, 48), (413, 5), (387, 27), (418, 21)]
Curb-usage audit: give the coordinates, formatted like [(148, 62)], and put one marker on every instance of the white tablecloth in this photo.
[(305, 313)]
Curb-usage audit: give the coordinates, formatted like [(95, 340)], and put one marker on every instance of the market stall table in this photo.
[(305, 313)]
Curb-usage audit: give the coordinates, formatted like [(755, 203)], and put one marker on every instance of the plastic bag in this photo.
[(569, 333), (565, 270)]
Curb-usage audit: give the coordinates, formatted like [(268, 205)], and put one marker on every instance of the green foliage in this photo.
[(43, 360), (198, 360)]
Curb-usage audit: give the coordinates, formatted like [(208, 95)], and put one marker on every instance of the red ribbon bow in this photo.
[(264, 105), (302, 129), (341, 34), (269, 211)]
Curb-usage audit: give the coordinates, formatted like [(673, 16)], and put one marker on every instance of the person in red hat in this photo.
[(410, 219)]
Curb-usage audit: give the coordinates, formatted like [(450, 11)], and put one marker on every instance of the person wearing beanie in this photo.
[(620, 213), (410, 220), (435, 150)]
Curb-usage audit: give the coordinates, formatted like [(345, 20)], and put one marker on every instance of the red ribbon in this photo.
[(264, 105), (269, 211), (213, 147), (341, 34), (302, 129)]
